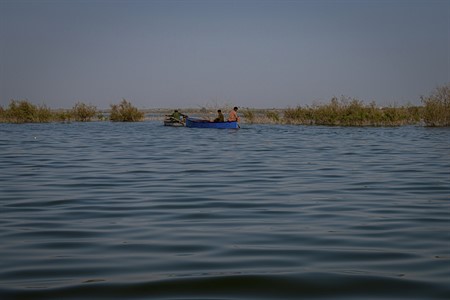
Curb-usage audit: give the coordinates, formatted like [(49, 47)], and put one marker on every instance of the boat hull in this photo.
[(173, 123), (199, 123)]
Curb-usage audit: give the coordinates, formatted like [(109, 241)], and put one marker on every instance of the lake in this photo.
[(142, 211)]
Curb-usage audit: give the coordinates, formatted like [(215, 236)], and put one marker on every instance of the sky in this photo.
[(248, 53)]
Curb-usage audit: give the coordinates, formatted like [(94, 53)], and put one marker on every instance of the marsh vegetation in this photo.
[(340, 112), (436, 110), (125, 112), (343, 111), (346, 111), (22, 111)]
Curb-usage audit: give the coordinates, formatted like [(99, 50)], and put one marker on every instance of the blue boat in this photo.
[(199, 123)]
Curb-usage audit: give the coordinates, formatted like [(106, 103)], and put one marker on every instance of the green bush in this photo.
[(436, 110), (44, 114), (63, 115), (2, 114), (21, 111), (82, 112), (415, 113), (125, 112)]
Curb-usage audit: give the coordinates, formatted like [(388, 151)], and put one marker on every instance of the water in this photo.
[(143, 211)]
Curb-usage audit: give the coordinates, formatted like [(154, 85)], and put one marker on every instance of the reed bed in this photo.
[(343, 111), (82, 112), (437, 107), (25, 112), (352, 112), (346, 111), (125, 112), (336, 115), (22, 111)]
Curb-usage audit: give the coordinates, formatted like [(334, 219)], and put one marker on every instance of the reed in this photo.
[(62, 115), (436, 111), (351, 112), (125, 112), (22, 111), (82, 112), (249, 116), (44, 114), (262, 116), (272, 116)]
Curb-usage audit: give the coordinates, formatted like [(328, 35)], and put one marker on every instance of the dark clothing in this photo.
[(177, 116), (219, 118)]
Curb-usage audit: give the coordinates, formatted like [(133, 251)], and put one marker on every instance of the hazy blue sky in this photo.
[(199, 53)]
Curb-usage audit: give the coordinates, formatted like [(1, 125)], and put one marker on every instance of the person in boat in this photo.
[(177, 116), (220, 117), (233, 116)]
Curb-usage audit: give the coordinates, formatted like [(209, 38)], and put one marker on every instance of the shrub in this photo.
[(415, 113), (63, 115), (298, 115), (437, 107), (44, 114), (82, 112), (125, 112), (3, 117), (21, 111)]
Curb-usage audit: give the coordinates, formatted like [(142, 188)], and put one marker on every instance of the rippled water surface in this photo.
[(143, 211)]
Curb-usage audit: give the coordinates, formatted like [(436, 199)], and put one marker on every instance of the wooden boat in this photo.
[(173, 123), (199, 123)]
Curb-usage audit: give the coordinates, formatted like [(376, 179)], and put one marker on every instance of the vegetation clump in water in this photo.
[(125, 112), (82, 112), (25, 112), (352, 112), (22, 111), (437, 107), (346, 111)]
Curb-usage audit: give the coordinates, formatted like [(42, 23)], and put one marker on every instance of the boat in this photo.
[(200, 123), (173, 123)]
